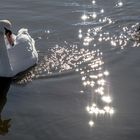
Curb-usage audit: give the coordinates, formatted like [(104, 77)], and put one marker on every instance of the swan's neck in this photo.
[(4, 57), (3, 48), (2, 42)]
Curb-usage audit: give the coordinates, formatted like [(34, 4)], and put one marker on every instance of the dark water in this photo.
[(86, 85)]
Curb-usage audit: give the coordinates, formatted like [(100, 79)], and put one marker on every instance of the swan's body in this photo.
[(19, 57)]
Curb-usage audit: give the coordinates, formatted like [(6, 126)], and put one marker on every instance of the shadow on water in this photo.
[(4, 123)]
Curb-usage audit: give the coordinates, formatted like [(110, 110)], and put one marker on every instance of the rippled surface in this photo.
[(86, 85)]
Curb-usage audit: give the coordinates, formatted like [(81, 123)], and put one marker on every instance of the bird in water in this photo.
[(17, 52)]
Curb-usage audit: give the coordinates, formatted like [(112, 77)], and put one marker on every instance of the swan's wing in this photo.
[(23, 36), (23, 31), (23, 39), (23, 54)]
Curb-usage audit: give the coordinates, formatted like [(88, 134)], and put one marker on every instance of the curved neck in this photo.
[(2, 42), (5, 67)]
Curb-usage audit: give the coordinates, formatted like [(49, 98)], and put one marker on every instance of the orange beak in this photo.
[(10, 39)]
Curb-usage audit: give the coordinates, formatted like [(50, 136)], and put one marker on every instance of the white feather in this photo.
[(17, 58)]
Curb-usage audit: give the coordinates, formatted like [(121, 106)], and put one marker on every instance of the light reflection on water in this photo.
[(57, 61), (119, 3), (88, 61), (93, 77)]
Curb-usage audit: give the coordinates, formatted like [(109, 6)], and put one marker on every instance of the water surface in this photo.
[(86, 85)]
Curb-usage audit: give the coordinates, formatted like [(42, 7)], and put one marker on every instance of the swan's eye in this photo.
[(7, 32)]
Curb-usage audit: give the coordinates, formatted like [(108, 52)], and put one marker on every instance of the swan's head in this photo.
[(5, 24), (5, 29)]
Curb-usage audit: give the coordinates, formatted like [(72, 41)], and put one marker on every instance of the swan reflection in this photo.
[(5, 124)]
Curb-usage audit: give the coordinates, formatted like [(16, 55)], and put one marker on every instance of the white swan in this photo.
[(17, 53)]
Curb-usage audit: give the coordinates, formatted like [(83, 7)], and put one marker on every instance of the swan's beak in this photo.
[(9, 36)]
